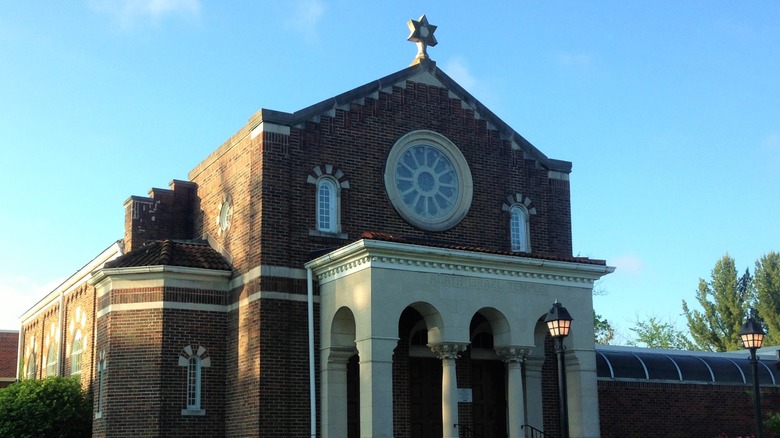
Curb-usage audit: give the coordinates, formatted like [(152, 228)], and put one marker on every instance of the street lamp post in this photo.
[(558, 322), (752, 335)]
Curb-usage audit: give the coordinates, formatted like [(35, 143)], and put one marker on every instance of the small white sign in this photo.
[(464, 395)]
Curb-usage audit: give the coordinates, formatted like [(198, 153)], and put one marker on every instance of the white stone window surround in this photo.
[(194, 358), (428, 181), (101, 383), (329, 181), (224, 214), (520, 209), (75, 354)]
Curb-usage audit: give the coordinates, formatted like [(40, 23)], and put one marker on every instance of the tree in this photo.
[(726, 301), (51, 407), (602, 330), (767, 287), (656, 334)]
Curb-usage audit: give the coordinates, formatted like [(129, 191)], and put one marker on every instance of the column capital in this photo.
[(513, 353), (448, 350)]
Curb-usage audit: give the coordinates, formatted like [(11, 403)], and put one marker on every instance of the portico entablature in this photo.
[(368, 253)]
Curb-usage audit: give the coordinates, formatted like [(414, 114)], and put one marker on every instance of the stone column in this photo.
[(514, 356), (448, 353), (583, 393), (376, 386), (534, 415), (333, 391)]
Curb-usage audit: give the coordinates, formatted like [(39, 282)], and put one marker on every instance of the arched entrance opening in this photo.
[(418, 407), (488, 380)]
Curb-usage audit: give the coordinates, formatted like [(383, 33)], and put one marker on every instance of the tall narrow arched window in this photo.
[(101, 384), (327, 206), (194, 358), (51, 360), (193, 383), (518, 225), (75, 353), (32, 367)]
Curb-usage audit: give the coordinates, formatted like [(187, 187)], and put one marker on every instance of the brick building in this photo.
[(377, 264), (9, 351)]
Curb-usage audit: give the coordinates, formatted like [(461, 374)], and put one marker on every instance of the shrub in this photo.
[(52, 407)]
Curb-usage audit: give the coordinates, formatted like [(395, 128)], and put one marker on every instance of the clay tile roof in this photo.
[(425, 242), (172, 253)]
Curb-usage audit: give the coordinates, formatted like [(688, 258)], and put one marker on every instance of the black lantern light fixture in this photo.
[(752, 335), (558, 323)]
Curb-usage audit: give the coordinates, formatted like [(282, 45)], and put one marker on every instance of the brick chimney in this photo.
[(164, 214)]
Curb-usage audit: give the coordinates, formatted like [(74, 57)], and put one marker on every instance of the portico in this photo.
[(366, 286)]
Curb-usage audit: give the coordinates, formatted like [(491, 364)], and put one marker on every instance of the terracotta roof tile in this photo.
[(172, 253), (426, 242)]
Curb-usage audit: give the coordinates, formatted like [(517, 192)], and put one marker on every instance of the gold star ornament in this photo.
[(422, 35)]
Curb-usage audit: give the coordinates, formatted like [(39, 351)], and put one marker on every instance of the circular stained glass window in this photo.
[(428, 181)]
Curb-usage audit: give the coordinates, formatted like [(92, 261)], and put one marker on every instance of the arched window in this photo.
[(31, 366), (193, 383), (101, 384), (327, 206), (518, 225), (51, 360), (75, 353), (194, 358)]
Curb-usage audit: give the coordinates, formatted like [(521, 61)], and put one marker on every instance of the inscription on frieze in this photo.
[(475, 283)]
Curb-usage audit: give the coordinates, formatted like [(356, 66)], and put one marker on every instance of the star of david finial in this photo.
[(422, 35)]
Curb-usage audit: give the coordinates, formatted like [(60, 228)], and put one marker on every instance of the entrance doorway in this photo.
[(488, 398), (425, 397)]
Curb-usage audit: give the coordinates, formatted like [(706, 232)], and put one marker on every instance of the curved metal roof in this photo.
[(683, 366)]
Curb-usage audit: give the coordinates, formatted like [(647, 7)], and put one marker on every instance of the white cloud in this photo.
[(458, 70), (19, 294), (129, 12), (629, 264), (306, 17)]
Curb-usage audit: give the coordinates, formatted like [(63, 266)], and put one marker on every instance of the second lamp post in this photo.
[(558, 322)]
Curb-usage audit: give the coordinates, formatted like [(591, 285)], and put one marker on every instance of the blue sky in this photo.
[(669, 111)]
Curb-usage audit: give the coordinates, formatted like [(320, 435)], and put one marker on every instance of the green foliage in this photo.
[(772, 423), (767, 286), (602, 330), (52, 407), (654, 333), (726, 300)]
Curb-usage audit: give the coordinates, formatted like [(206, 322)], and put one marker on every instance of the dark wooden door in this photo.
[(353, 397), (425, 397), (489, 398)]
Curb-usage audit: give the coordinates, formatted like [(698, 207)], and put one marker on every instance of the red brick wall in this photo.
[(9, 350), (80, 315), (145, 387), (638, 409), (273, 205)]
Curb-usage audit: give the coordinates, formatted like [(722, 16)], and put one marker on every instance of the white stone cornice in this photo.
[(418, 258), (158, 276), (74, 281)]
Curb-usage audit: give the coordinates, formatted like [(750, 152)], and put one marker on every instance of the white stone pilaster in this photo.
[(333, 393), (534, 415), (376, 386)]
